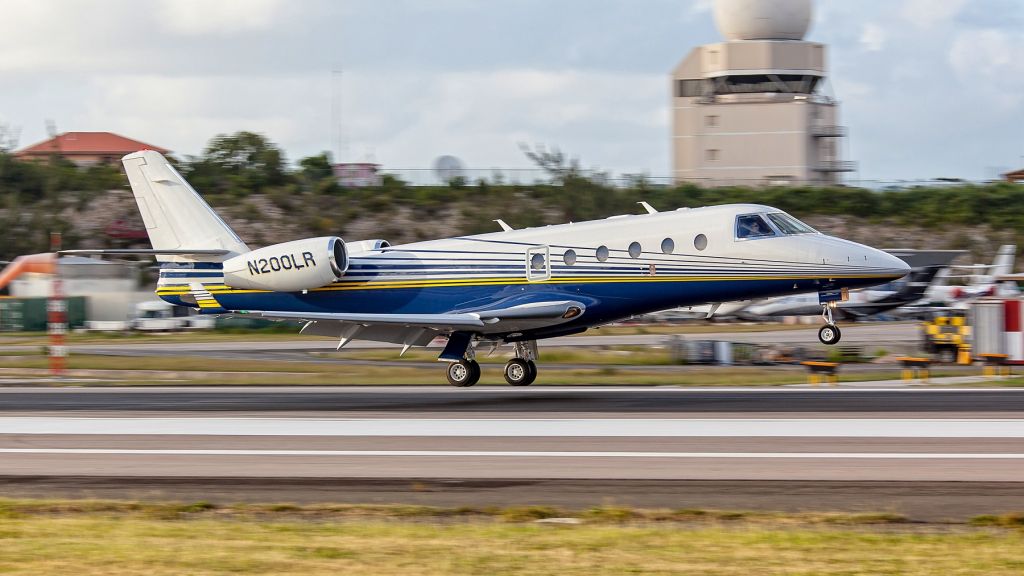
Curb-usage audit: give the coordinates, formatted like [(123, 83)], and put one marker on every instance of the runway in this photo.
[(582, 401), (914, 451)]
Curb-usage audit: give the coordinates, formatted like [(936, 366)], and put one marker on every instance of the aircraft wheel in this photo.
[(464, 373), (519, 372), (533, 372), (829, 335)]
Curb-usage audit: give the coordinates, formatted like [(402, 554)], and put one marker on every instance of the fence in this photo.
[(530, 176)]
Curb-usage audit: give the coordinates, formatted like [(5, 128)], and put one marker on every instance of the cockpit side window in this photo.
[(752, 226), (789, 225)]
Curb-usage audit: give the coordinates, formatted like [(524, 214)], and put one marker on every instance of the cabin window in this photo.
[(635, 250), (752, 226), (789, 225), (569, 257), (668, 246), (537, 262), (700, 242), (602, 254)]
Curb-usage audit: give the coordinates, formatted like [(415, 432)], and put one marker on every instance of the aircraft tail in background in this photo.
[(1002, 265)]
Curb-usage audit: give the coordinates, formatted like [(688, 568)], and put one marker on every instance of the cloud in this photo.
[(221, 17), (932, 13), (991, 62), (610, 120), (872, 37)]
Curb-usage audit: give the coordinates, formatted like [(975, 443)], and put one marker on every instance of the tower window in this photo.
[(713, 154), (711, 121)]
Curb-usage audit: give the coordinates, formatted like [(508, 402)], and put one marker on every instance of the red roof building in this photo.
[(1016, 176), (86, 148)]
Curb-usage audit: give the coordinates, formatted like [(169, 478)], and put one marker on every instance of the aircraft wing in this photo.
[(420, 329), (438, 321)]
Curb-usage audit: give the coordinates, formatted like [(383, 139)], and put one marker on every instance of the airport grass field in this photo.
[(86, 538), (562, 367)]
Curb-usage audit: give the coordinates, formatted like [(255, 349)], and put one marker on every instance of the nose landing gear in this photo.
[(829, 334)]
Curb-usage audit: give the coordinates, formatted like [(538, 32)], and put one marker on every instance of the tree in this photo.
[(241, 163), (317, 168)]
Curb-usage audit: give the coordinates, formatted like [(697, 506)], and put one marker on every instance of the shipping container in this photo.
[(29, 314)]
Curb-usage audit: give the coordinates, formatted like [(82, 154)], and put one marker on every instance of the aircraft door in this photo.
[(538, 264)]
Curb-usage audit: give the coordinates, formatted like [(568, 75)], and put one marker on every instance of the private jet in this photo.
[(509, 287), (858, 304)]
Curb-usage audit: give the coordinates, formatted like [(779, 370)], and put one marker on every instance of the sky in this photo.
[(929, 88)]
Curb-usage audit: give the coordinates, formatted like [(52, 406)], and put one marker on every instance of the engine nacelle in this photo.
[(366, 246), (289, 267)]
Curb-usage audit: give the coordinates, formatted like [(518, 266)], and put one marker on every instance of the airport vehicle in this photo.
[(946, 334), (513, 286), (858, 304)]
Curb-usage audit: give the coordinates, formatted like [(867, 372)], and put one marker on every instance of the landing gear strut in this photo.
[(522, 370), (829, 333)]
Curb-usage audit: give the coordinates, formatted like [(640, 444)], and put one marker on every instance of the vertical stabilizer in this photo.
[(1003, 264), (176, 217)]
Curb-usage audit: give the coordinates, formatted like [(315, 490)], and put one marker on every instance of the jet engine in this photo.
[(289, 267)]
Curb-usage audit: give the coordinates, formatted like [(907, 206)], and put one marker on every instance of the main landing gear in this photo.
[(519, 371), (829, 333), (522, 370), (464, 373)]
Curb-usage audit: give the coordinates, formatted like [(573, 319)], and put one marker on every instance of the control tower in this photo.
[(749, 111)]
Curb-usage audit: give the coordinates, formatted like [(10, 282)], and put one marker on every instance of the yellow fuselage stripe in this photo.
[(469, 282)]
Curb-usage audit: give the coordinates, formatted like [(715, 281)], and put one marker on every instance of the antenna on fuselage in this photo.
[(650, 209), (504, 226)]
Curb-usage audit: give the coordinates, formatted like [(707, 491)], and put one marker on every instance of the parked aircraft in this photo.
[(858, 304), (979, 285), (514, 286)]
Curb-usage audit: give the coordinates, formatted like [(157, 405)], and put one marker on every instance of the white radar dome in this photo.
[(763, 19)]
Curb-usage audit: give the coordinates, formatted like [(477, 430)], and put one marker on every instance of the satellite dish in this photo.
[(448, 168)]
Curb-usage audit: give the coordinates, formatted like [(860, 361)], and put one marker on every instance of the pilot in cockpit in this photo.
[(752, 227)]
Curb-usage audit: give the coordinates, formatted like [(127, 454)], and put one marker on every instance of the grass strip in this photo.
[(92, 537)]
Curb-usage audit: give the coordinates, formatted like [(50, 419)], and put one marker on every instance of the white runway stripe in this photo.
[(478, 428), (521, 454)]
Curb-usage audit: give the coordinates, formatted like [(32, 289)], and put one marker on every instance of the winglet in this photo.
[(504, 226), (650, 209)]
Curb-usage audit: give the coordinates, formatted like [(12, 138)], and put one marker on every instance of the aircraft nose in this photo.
[(892, 265)]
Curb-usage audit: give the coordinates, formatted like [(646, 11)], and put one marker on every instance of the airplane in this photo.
[(510, 287), (858, 304), (984, 284)]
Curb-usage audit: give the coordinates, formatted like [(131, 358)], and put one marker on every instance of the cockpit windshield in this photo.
[(789, 225), (752, 226)]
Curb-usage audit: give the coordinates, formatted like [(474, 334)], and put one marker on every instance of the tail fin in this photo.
[(176, 217), (1003, 264), (917, 283)]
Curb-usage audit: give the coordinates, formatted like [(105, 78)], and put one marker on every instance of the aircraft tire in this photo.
[(830, 335), (533, 372), (519, 372), (463, 374)]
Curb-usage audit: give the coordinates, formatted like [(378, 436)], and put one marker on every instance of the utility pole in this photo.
[(57, 313)]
